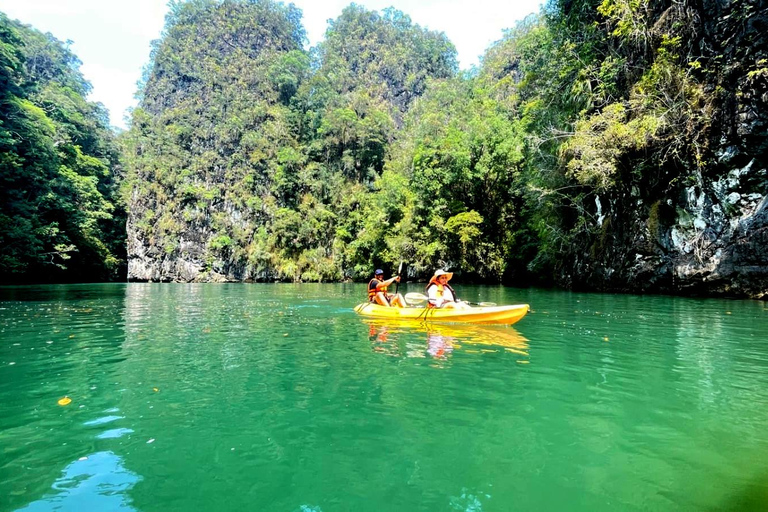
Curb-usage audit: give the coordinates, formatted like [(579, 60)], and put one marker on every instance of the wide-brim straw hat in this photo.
[(441, 272)]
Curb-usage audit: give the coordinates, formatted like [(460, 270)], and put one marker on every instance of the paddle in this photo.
[(399, 272), (420, 297)]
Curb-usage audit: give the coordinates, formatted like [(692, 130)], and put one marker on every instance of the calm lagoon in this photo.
[(204, 397)]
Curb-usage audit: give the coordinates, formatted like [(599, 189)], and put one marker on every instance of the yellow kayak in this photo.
[(482, 315)]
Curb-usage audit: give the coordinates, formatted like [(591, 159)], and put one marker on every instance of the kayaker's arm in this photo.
[(384, 284)]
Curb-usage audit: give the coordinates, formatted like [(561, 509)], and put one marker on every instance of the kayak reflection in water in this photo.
[(380, 342), (440, 293), (406, 339), (387, 341), (438, 345)]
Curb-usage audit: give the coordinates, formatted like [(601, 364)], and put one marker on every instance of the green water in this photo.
[(278, 397)]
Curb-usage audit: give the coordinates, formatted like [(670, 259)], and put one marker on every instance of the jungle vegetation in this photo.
[(265, 160), (61, 218)]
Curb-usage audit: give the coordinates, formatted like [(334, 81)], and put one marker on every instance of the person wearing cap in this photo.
[(440, 293), (377, 290)]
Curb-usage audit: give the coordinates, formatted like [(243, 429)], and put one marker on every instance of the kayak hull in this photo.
[(480, 315)]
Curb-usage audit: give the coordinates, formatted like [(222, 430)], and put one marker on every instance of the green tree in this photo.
[(60, 216), (460, 157)]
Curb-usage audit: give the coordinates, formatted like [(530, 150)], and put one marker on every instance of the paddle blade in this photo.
[(415, 297)]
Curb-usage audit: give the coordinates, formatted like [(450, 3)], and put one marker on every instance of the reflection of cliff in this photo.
[(443, 339)]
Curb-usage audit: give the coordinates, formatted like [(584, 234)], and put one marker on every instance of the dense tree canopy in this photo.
[(261, 153), (590, 128), (59, 219)]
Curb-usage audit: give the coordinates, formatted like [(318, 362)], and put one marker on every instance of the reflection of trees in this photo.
[(675, 385), (285, 375), (668, 377)]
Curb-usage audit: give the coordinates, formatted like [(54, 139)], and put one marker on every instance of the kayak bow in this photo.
[(485, 315)]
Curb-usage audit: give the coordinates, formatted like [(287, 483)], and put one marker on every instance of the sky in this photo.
[(112, 37)]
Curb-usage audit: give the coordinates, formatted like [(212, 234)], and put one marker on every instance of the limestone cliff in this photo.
[(708, 236), (236, 179)]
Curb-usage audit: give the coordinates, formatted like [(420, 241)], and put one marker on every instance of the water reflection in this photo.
[(96, 482), (271, 396), (406, 338)]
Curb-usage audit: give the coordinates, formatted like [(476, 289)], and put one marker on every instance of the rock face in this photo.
[(145, 263), (718, 244), (710, 236), (190, 260), (712, 242), (720, 241)]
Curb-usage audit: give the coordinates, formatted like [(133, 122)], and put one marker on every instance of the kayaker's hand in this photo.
[(396, 278)]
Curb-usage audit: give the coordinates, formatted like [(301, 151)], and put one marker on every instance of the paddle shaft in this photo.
[(399, 271)]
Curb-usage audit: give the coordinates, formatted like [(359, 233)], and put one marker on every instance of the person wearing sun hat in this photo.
[(377, 290), (440, 293)]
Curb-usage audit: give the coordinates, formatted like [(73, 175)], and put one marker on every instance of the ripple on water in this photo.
[(103, 420), (114, 433)]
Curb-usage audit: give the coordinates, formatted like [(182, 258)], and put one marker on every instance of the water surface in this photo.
[(278, 397)]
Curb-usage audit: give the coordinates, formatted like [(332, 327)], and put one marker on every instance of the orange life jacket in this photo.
[(372, 291)]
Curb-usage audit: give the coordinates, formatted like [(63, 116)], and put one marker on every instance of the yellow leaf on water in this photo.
[(65, 401), (606, 339), (523, 362), (155, 390)]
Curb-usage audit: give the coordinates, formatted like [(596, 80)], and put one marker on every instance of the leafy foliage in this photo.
[(251, 158), (247, 148), (59, 214)]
